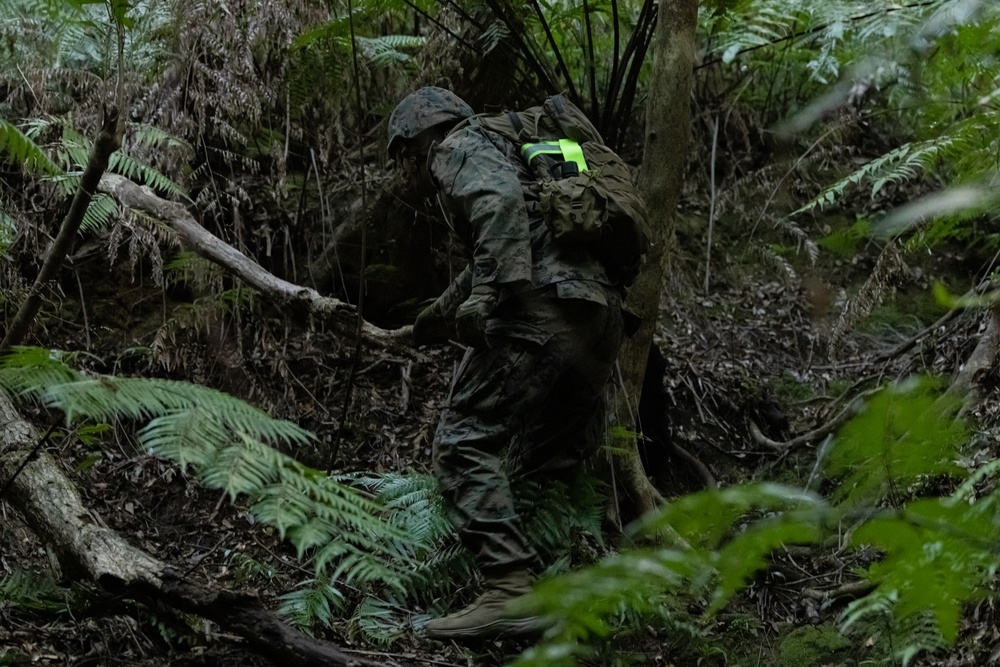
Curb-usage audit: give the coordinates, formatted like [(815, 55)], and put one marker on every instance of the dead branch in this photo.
[(285, 295), (87, 549)]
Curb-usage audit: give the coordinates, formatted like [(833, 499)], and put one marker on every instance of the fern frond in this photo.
[(888, 268), (387, 50), (27, 370), (24, 152), (381, 621), (897, 166), (314, 602), (227, 443), (145, 174), (8, 230), (145, 134), (26, 590), (101, 212)]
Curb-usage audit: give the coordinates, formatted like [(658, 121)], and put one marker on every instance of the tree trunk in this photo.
[(85, 548), (668, 129), (108, 141)]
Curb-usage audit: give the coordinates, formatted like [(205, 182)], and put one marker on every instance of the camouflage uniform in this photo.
[(533, 393)]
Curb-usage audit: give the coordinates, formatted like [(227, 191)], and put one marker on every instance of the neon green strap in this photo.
[(567, 148), (572, 152)]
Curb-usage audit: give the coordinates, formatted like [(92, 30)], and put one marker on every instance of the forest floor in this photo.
[(752, 352)]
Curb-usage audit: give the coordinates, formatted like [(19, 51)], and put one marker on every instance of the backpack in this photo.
[(587, 193)]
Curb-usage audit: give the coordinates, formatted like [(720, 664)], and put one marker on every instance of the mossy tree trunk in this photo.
[(668, 129)]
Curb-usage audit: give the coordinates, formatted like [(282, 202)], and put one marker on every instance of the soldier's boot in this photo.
[(490, 614)]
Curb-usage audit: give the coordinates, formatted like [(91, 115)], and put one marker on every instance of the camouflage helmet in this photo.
[(422, 110)]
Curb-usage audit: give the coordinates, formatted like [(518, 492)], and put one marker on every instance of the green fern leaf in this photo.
[(101, 212), (24, 152)]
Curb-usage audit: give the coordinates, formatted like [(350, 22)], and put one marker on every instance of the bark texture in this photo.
[(86, 549), (668, 129)]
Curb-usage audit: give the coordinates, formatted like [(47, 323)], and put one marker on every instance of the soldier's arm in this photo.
[(459, 290), (479, 183)]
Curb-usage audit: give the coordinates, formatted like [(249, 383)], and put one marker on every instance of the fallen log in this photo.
[(86, 549)]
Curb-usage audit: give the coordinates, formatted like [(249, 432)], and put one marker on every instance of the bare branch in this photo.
[(286, 295)]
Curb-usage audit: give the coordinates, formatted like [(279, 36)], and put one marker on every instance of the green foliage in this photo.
[(314, 602), (20, 148), (231, 446), (905, 435), (74, 150), (787, 53), (812, 646), (22, 589), (938, 553), (320, 58), (938, 86)]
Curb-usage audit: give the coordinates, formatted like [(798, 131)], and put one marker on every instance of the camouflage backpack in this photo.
[(587, 193)]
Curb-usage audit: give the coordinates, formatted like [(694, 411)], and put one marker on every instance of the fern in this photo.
[(145, 174), (388, 50), (22, 589), (939, 553), (8, 230), (23, 151), (315, 602), (900, 165), (101, 212), (230, 445), (381, 621)]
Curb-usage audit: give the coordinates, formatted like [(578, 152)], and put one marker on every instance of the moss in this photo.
[(814, 645)]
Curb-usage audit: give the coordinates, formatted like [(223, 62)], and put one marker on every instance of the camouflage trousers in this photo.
[(527, 407)]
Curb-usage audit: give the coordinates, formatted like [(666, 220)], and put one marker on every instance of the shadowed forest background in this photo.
[(216, 436)]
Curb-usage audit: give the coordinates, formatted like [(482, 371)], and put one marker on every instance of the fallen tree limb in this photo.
[(285, 295), (86, 549)]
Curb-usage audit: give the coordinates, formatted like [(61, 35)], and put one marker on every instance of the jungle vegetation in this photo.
[(819, 132)]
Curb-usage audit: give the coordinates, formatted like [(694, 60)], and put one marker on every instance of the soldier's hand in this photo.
[(470, 319), (430, 326)]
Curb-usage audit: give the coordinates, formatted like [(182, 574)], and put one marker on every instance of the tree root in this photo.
[(817, 433)]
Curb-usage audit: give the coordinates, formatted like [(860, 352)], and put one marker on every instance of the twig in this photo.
[(910, 342), (83, 308), (404, 398), (711, 207), (820, 457)]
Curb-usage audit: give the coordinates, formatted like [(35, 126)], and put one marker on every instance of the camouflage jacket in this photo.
[(490, 199)]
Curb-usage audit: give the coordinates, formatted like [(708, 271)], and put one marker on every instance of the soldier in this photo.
[(543, 324)]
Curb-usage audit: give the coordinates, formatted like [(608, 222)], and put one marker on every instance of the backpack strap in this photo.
[(515, 120)]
